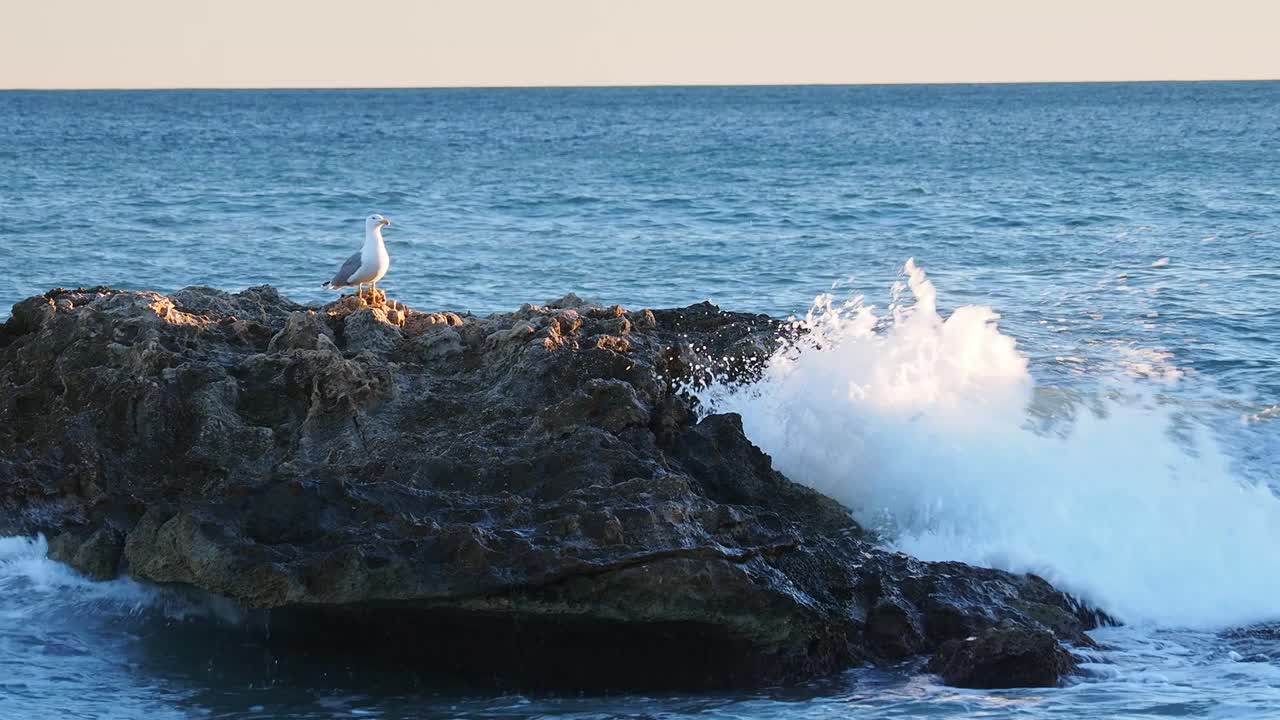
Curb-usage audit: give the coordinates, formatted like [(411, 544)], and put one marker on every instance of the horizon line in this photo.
[(606, 86)]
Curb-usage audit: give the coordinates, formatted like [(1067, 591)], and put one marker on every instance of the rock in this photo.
[(609, 404), (30, 315), (417, 323), (96, 554), (895, 626), (369, 329), (438, 342), (261, 304), (527, 493), (571, 300), (1003, 657), (610, 342), (302, 331)]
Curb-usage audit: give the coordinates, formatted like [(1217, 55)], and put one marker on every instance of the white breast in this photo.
[(374, 261)]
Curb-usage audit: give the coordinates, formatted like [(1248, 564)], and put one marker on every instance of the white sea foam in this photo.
[(1269, 413), (46, 585), (1149, 363), (25, 566), (925, 427)]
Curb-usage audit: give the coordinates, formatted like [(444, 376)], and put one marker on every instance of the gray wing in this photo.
[(345, 272)]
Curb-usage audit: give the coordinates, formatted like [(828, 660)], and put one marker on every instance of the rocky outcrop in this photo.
[(529, 492)]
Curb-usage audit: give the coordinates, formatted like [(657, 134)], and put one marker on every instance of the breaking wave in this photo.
[(933, 431)]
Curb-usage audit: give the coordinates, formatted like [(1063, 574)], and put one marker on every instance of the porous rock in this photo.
[(522, 491)]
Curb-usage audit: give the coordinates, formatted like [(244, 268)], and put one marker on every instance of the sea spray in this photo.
[(26, 571), (932, 431)]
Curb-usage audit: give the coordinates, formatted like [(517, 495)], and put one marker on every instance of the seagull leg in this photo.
[(360, 291)]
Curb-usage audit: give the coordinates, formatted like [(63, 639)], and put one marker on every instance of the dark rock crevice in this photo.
[(496, 651)]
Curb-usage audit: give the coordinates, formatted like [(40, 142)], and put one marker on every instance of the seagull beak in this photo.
[(386, 221)]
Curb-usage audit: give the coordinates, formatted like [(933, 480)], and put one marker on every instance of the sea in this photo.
[(1042, 336)]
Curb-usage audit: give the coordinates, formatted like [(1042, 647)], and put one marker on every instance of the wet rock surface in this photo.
[(1003, 657), (529, 492)]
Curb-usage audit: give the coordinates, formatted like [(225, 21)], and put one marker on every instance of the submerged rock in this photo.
[(1003, 657), (525, 496)]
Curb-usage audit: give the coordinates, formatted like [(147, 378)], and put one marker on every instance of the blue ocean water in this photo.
[(1128, 235)]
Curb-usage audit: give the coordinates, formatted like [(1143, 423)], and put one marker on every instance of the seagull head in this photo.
[(373, 222)]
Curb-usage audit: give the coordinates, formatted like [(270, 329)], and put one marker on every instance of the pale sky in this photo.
[(402, 43)]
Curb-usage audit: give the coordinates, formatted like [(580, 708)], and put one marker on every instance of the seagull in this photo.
[(367, 266)]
